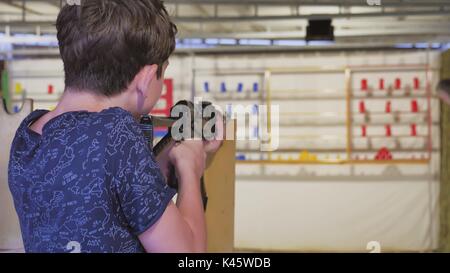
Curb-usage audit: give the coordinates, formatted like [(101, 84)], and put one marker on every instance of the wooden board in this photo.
[(220, 186)]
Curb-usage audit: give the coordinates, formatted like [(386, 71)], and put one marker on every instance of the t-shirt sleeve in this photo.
[(140, 186)]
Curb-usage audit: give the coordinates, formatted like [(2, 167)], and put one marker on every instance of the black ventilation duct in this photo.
[(320, 30)]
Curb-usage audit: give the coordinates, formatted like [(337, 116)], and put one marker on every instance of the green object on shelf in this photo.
[(5, 88)]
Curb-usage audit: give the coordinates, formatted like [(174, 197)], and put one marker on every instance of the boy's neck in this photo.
[(85, 100)]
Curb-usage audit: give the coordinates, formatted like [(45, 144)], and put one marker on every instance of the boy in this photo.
[(82, 176)]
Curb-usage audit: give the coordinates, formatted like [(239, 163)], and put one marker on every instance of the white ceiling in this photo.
[(354, 20)]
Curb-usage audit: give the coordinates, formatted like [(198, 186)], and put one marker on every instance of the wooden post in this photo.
[(444, 202)]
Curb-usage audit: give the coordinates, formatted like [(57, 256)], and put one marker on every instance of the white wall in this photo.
[(332, 208)]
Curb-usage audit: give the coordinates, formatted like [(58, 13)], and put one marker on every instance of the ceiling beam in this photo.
[(54, 52), (213, 19), (270, 35), (311, 16), (22, 6), (342, 3)]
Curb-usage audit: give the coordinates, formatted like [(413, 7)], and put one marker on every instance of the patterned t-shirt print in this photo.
[(88, 184)]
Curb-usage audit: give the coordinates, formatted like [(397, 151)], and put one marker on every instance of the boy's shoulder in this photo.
[(124, 130), (90, 121), (108, 124)]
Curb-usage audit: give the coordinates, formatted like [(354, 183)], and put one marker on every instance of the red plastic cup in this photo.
[(50, 89), (364, 85), (398, 84), (413, 130), (388, 107), (381, 84), (416, 83), (388, 130), (414, 106), (362, 107)]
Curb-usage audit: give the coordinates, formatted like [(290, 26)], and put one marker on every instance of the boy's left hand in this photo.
[(210, 147)]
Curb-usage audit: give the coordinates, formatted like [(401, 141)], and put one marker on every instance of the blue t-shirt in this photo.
[(89, 183)]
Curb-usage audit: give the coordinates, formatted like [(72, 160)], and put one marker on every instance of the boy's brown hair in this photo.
[(105, 43)]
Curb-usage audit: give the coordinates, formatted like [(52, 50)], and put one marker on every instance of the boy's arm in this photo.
[(175, 232), (182, 228)]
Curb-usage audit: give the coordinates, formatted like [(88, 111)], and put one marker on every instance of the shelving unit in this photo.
[(395, 88), (320, 113), (43, 87), (227, 88), (311, 101)]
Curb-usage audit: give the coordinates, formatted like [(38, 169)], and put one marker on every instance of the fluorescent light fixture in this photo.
[(321, 43), (4, 47), (436, 45), (255, 42), (289, 42), (227, 41), (194, 46), (404, 45), (192, 41), (445, 46), (29, 40), (422, 45), (212, 41)]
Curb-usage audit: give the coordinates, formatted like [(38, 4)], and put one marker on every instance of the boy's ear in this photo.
[(147, 74)]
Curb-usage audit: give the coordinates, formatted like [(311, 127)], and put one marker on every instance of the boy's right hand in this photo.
[(189, 159), (182, 227), (189, 156)]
